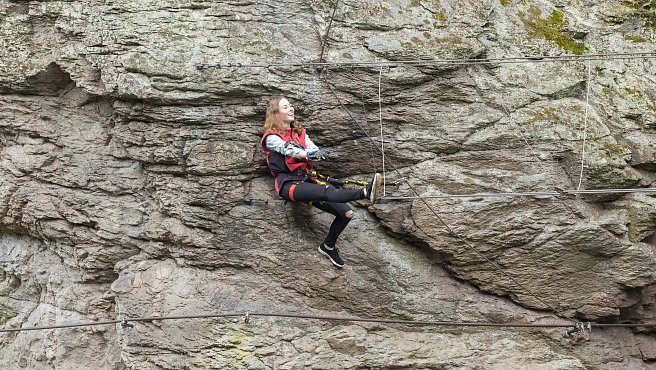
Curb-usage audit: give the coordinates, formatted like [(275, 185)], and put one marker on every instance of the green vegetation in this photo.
[(615, 150), (637, 94), (439, 15), (645, 9), (551, 29), (505, 2), (633, 91), (6, 313), (547, 114), (417, 41), (648, 5), (635, 38)]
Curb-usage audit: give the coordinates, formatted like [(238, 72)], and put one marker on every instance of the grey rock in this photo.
[(132, 184)]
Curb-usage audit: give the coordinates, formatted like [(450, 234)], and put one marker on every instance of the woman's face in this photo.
[(286, 111)]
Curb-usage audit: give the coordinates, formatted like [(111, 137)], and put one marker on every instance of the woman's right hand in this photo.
[(302, 154)]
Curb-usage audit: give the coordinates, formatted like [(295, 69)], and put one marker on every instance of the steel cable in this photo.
[(126, 321), (436, 62)]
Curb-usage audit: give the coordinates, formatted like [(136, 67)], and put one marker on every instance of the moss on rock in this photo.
[(550, 28), (635, 38), (6, 313)]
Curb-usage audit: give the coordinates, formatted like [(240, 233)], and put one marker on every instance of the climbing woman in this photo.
[(289, 154)]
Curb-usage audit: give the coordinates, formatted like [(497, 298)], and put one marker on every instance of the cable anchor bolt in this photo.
[(400, 181), (126, 324)]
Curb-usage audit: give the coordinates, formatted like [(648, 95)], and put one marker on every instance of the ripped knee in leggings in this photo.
[(349, 214)]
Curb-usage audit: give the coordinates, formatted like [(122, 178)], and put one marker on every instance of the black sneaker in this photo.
[(332, 254), (372, 191)]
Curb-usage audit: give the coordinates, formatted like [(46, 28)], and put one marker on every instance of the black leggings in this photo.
[(327, 199)]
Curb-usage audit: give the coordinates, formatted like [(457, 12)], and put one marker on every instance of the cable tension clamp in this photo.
[(579, 328)]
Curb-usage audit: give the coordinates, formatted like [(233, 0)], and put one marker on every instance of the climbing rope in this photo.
[(380, 118), (448, 228), (325, 38), (585, 126)]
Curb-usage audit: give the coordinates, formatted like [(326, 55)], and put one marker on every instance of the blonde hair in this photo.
[(272, 120)]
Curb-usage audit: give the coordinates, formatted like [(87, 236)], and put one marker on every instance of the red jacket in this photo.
[(286, 168)]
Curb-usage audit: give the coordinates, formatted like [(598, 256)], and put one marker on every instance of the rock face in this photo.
[(132, 184)]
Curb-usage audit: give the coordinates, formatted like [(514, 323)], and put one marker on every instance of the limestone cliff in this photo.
[(132, 183)]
